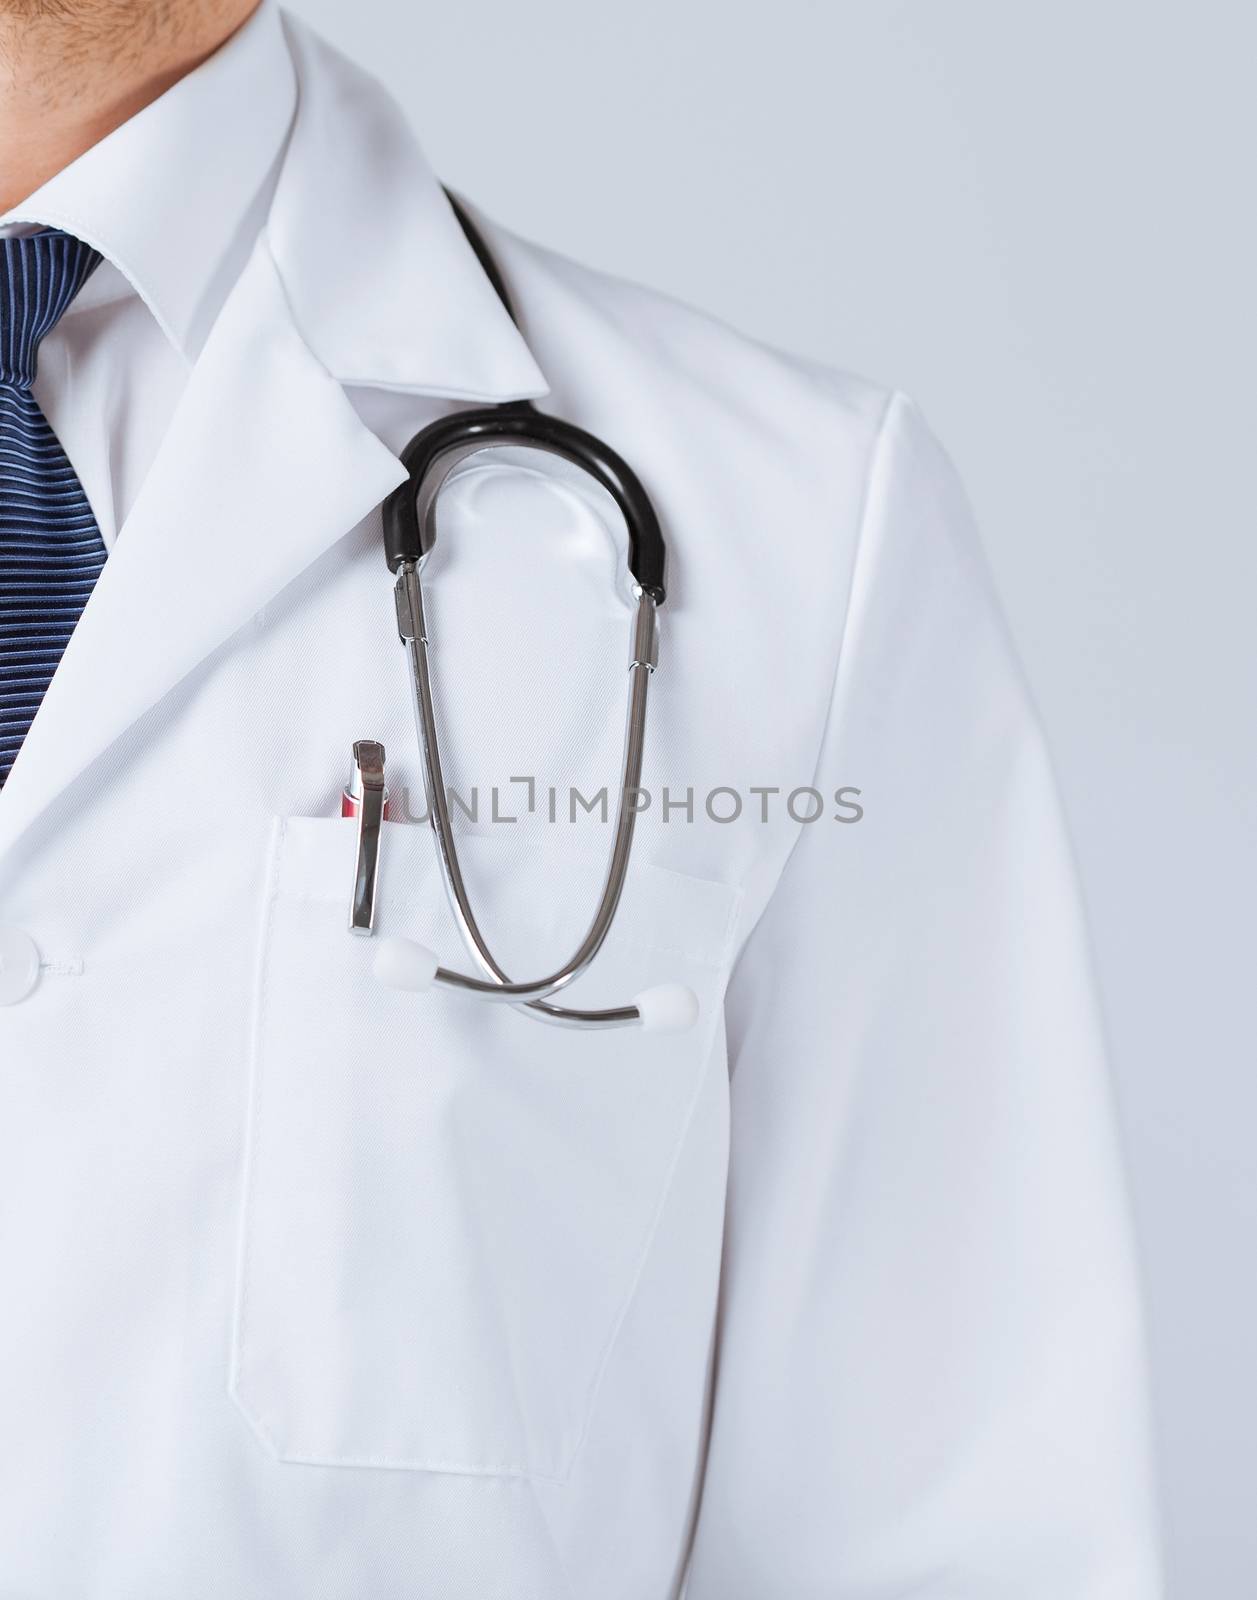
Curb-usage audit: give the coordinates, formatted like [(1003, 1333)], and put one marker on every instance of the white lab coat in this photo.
[(314, 1289)]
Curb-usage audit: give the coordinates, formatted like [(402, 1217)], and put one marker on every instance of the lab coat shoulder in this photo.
[(860, 454), (680, 342), (762, 466), (756, 425)]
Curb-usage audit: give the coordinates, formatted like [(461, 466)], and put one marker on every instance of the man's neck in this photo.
[(72, 73)]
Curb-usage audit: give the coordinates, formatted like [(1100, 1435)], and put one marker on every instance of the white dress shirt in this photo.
[(174, 200)]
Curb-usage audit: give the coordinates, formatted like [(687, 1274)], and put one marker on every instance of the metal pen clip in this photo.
[(368, 798)]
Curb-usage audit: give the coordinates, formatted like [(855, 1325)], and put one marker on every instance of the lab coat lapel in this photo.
[(361, 277), (265, 465)]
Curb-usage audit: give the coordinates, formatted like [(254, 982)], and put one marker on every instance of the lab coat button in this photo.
[(19, 965)]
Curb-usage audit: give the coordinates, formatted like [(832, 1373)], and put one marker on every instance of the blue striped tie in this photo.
[(51, 552)]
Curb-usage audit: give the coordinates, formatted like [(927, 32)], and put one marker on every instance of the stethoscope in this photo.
[(409, 537)]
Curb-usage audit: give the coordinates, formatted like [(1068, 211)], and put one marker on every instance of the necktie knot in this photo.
[(39, 276)]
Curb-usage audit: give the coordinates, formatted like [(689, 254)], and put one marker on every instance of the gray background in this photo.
[(1039, 221)]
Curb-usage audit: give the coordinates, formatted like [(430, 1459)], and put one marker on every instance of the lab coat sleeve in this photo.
[(930, 1375)]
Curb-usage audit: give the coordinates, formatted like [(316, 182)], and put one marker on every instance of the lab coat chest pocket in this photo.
[(447, 1204)]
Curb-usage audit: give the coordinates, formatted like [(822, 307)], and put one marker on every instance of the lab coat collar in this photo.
[(174, 197), (380, 280)]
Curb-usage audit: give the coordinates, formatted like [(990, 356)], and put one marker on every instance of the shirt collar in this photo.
[(176, 195)]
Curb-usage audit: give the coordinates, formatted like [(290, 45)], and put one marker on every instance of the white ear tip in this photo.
[(403, 964), (667, 1008)]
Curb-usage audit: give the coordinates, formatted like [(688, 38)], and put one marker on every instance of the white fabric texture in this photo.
[(315, 1290)]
